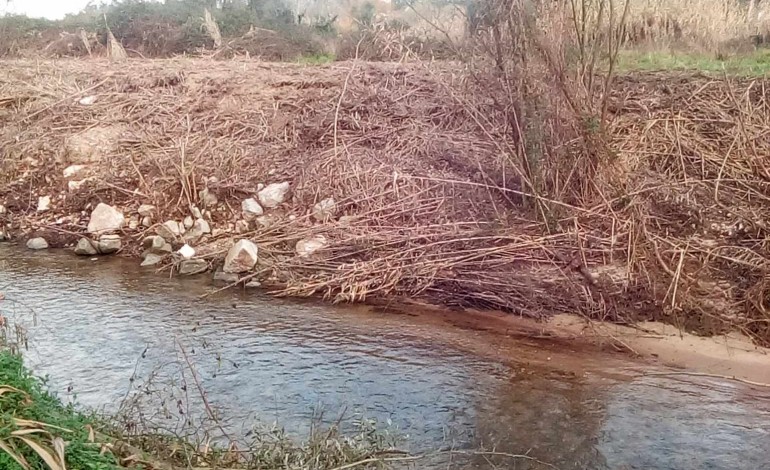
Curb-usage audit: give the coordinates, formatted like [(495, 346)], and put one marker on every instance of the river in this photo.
[(99, 328)]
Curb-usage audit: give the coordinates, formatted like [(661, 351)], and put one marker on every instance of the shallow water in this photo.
[(98, 324)]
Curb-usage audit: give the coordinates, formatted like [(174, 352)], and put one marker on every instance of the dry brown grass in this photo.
[(670, 226), (701, 25)]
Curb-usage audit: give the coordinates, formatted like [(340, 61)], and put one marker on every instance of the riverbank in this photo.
[(360, 182), (103, 328), (39, 431)]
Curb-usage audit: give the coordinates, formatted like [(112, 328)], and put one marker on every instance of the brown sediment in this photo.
[(578, 346), (415, 157)]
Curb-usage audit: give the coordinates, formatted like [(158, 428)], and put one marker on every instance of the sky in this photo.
[(52, 9)]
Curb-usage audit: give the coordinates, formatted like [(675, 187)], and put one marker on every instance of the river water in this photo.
[(101, 328)]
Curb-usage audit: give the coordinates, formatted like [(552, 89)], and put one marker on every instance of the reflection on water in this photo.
[(102, 322)]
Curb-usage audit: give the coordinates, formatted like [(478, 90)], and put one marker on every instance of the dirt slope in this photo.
[(416, 159)]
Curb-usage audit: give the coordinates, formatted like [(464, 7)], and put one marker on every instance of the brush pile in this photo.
[(425, 205)]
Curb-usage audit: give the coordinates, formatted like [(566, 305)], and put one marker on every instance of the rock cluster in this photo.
[(177, 242)]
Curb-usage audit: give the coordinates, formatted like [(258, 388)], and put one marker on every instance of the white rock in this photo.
[(3, 210), (146, 221), (242, 257), (170, 230), (156, 244), (85, 247), (193, 266), (105, 218), (186, 251), (251, 209), (188, 222), (87, 100), (73, 186), (260, 187), (38, 243), (202, 225), (196, 212), (311, 245), (73, 170), (133, 224), (325, 210), (109, 244), (151, 259), (43, 203), (146, 210), (273, 195), (200, 228)]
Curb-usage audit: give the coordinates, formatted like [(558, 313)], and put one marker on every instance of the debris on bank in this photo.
[(365, 181)]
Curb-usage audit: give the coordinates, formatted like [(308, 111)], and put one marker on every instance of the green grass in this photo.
[(35, 425), (317, 59), (39, 432), (749, 64)]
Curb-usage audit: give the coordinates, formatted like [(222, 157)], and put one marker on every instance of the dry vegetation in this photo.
[(521, 179)]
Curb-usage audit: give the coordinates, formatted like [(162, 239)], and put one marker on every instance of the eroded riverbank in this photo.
[(101, 322), (359, 182)]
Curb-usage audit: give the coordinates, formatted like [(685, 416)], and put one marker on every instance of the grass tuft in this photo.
[(38, 432)]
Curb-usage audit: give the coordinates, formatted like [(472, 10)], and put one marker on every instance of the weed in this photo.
[(317, 59), (37, 431), (747, 64)]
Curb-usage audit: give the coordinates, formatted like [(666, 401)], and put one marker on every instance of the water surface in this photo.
[(103, 327)]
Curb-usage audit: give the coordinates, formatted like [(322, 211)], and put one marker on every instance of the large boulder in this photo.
[(325, 210), (309, 246), (38, 243), (105, 218), (86, 247), (109, 244), (241, 258), (251, 209), (273, 195)]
